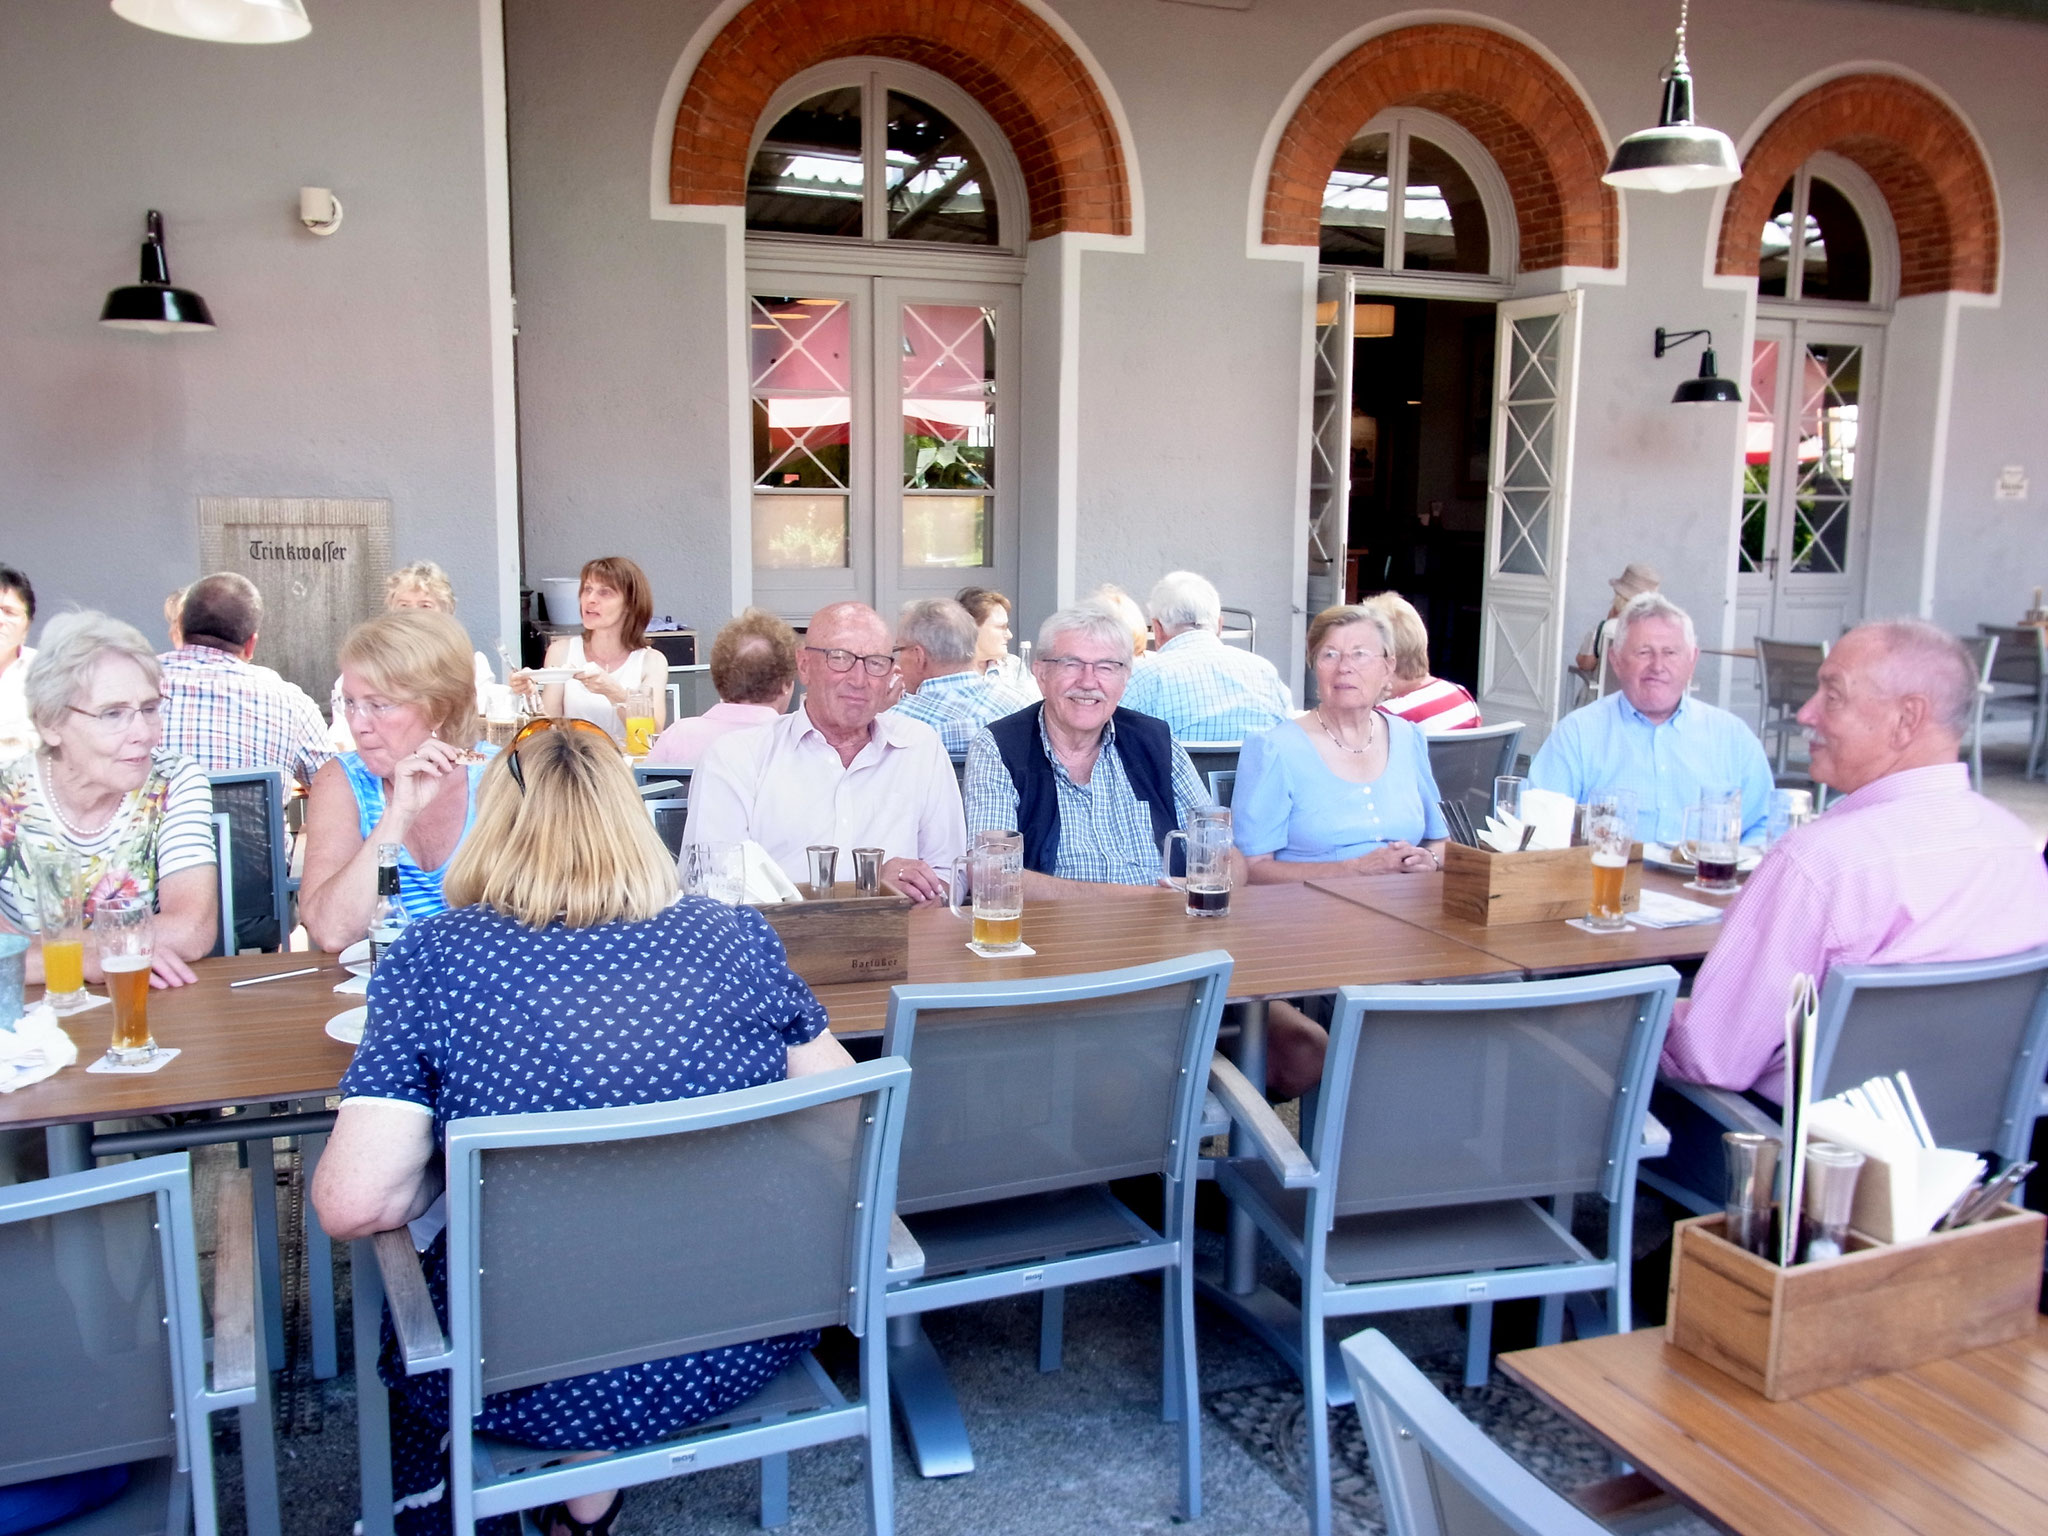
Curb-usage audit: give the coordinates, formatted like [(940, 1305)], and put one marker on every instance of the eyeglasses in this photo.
[(842, 661), (1358, 656), (1074, 666), (375, 709), (121, 716), (534, 727)]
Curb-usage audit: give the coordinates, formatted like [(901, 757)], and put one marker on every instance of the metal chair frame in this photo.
[(1508, 733), (2021, 664), (1791, 662), (1983, 650)]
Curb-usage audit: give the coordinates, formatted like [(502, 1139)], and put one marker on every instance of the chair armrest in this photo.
[(1729, 1109), (906, 1257), (420, 1341), (1252, 1114), (234, 1285), (1656, 1138)]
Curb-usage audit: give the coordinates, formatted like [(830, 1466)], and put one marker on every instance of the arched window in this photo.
[(1414, 193), (1827, 240)]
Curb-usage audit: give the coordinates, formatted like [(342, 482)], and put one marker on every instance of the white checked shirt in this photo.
[(227, 714), (782, 786), (1208, 691), (960, 704), (1105, 829)]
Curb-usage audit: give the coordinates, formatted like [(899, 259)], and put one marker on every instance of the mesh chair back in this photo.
[(670, 816), (1790, 670), (1509, 1092), (2019, 658), (253, 801), (85, 1351), (596, 1254), (1963, 1037), (1016, 1098), (1465, 763)]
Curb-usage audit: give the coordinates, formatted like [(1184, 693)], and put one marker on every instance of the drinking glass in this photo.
[(1830, 1198), (639, 717), (993, 870), (1610, 830), (1208, 840), (60, 915), (123, 928), (1507, 796), (716, 870), (1713, 834), (501, 715), (1790, 808)]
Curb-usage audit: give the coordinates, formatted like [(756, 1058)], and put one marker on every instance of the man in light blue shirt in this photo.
[(1205, 690), (935, 640), (1654, 738)]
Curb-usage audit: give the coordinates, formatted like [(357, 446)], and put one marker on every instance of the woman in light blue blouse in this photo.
[(1344, 788)]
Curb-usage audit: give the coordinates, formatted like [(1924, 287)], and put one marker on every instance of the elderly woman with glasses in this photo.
[(567, 976), (99, 793), (408, 691)]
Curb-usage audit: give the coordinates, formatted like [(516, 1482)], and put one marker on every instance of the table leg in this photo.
[(319, 1269), (1241, 1236), (69, 1147), (373, 1408), (259, 1157)]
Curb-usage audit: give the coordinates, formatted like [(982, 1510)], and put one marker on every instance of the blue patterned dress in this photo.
[(473, 1014)]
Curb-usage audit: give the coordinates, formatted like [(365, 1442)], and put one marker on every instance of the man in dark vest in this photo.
[(1092, 787)]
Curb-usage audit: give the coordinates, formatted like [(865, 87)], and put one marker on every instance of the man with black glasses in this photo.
[(838, 772)]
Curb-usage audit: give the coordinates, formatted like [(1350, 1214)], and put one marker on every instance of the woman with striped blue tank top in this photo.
[(409, 692)]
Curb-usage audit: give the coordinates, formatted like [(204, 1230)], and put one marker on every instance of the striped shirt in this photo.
[(419, 890), (1105, 829), (1208, 691), (227, 714), (960, 703), (1439, 705), (1912, 868)]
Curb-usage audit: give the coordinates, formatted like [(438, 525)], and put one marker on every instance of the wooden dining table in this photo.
[(1955, 1447)]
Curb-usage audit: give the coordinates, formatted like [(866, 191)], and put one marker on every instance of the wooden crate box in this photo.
[(844, 937), (1482, 886)]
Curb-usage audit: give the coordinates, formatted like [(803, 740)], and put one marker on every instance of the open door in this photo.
[(1329, 487), (1521, 650)]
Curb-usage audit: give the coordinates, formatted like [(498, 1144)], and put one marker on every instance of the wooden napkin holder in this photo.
[(1877, 1308), (1482, 886), (844, 937)]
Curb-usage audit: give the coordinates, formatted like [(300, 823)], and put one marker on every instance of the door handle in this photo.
[(1771, 566)]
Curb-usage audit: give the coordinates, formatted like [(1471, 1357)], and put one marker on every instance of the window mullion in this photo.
[(1795, 257), (1397, 200), (874, 140)]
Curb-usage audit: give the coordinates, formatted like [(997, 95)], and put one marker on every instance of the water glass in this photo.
[(1507, 796), (1790, 808), (124, 929), (716, 870), (1830, 1197)]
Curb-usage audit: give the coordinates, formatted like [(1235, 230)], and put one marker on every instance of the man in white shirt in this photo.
[(1205, 690), (838, 771)]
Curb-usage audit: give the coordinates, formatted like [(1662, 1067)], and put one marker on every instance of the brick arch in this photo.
[(1006, 57), (1506, 95), (1920, 154)]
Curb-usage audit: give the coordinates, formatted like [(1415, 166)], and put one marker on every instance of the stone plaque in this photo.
[(320, 565)]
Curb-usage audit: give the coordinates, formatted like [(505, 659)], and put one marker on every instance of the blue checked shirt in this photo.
[(227, 714), (1208, 691), (1105, 829), (960, 704)]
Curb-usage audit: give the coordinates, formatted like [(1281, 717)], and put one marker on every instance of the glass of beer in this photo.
[(1713, 834), (123, 928), (501, 715), (1610, 831), (1208, 839), (60, 917), (993, 870)]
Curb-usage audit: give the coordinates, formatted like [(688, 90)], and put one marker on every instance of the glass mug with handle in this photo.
[(1713, 836), (1208, 840), (60, 918), (993, 871), (1611, 830), (638, 713), (124, 930)]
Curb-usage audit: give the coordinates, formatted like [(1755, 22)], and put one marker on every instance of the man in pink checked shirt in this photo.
[(1908, 865)]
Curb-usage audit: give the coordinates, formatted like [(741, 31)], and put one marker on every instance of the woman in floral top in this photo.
[(99, 792)]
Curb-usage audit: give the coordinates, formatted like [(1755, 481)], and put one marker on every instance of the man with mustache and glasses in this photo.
[(1092, 787), (838, 772)]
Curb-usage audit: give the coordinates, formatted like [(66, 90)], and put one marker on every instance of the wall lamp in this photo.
[(152, 304), (1678, 154), (1709, 388)]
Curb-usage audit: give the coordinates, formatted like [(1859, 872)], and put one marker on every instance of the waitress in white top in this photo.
[(611, 658)]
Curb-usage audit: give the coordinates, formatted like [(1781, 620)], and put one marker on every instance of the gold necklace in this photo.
[(1342, 745)]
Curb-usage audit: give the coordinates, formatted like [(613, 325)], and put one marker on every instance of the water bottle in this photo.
[(388, 921)]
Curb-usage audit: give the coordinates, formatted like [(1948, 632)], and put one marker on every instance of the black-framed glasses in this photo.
[(541, 723), (842, 661)]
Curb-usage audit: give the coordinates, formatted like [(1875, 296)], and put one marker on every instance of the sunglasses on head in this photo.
[(541, 723)]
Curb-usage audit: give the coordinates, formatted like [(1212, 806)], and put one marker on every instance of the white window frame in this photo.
[(1854, 183), (1496, 202)]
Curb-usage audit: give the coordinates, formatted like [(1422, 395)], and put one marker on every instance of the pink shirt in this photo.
[(1915, 867), (682, 744)]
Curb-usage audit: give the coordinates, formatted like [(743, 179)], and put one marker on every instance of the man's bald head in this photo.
[(1893, 696), (1914, 657)]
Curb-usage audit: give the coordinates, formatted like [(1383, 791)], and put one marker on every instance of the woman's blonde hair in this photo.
[(422, 576), (575, 845), (1411, 637), (418, 656)]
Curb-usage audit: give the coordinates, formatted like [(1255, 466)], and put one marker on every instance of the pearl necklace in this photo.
[(1342, 745), (83, 834)]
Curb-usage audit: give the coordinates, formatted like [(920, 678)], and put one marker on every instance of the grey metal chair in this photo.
[(253, 800), (1465, 764), (1030, 1097), (1788, 674), (1455, 1127), (104, 1352), (666, 794), (1211, 758), (1437, 1472), (1223, 786), (1240, 627), (1972, 1034), (2019, 681), (738, 1216)]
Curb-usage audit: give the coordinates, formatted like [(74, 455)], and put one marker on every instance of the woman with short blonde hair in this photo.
[(1434, 703), (423, 584)]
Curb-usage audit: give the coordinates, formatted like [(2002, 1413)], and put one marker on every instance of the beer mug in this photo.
[(60, 917), (716, 870), (123, 927), (1713, 835), (1208, 841), (1611, 830), (993, 871)]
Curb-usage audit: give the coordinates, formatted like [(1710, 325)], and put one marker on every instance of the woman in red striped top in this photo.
[(1431, 702)]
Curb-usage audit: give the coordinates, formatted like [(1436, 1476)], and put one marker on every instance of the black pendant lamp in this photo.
[(152, 304), (1709, 388), (1678, 155)]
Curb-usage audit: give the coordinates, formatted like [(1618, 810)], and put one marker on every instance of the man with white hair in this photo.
[(935, 640), (1204, 689), (1652, 737), (1910, 865), (1091, 786)]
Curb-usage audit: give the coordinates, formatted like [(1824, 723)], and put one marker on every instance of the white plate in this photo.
[(356, 958), (1658, 856), (348, 1027), (551, 674)]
